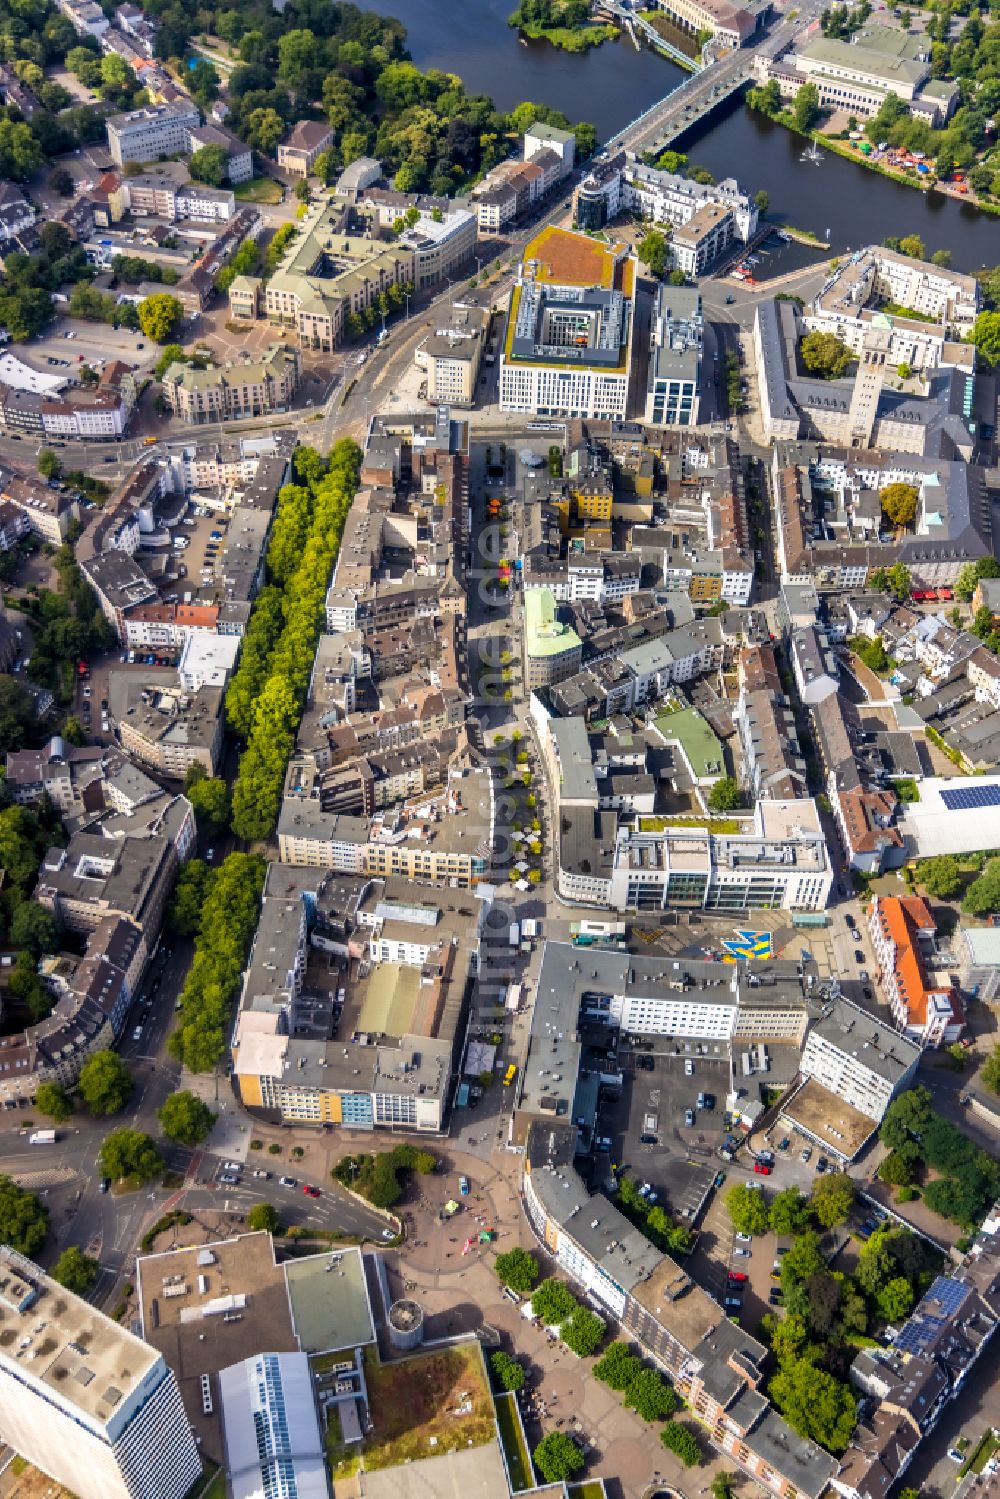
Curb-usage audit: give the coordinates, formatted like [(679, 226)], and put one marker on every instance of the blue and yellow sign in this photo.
[(746, 945)]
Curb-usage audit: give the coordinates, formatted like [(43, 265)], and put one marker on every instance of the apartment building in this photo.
[(859, 1058), (163, 725), (45, 511), (234, 390), (925, 1005), (239, 157), (85, 16), (86, 1401), (568, 342), (623, 182), (160, 196), (152, 131)]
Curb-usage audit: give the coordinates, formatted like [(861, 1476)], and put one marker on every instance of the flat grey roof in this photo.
[(328, 1297)]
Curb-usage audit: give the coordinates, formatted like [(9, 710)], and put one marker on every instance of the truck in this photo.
[(42, 1137), (514, 935)]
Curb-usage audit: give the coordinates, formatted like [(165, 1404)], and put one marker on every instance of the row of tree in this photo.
[(226, 925), (379, 1176), (278, 680)]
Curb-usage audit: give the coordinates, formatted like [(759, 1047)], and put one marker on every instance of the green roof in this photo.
[(700, 746), (544, 635)]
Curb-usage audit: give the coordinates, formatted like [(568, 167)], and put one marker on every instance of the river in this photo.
[(611, 85)]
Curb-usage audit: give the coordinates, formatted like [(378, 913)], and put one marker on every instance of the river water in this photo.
[(611, 85)]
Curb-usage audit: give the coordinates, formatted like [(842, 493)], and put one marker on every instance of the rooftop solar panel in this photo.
[(965, 798)]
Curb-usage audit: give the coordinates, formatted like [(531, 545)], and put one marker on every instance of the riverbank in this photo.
[(923, 184)]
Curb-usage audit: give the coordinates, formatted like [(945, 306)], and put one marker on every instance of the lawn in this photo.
[(593, 1490), (426, 1406), (258, 190), (512, 1441)]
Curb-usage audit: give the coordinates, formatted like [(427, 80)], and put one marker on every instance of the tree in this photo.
[(724, 795), (722, 1486), (649, 1395), (803, 1259), (871, 652), (970, 573), (908, 1115), (814, 1404), (48, 464), (508, 1372), (557, 1457), (75, 1270), (762, 200), (194, 885), (983, 896), (805, 109), (825, 354), (832, 1198), (940, 876), (210, 800), (991, 1070), (895, 580), (129, 1154), (172, 354), (553, 1302), (913, 245), (263, 130), (653, 251), (105, 1083), (618, 1367), (747, 1210), (54, 1102), (34, 928), (210, 164), (583, 1331), (899, 1169), (789, 1212), (986, 337), (895, 1299), (160, 315), (899, 502), (262, 1218), (185, 1118), (24, 1222), (517, 1269), (682, 1442), (941, 258)]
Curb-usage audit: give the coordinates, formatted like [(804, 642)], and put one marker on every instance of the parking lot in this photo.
[(91, 343), (202, 536)]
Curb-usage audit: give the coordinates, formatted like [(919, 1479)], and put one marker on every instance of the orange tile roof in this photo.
[(900, 918)]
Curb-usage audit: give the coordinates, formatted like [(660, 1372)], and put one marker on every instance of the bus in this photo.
[(148, 442), (509, 1075)]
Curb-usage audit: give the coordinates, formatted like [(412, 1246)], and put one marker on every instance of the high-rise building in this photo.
[(89, 1403)]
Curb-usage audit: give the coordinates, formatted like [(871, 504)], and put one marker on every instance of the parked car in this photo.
[(955, 1455), (463, 1186), (745, 1238), (689, 1117), (738, 1275), (263, 1175), (689, 1068), (743, 1254), (806, 1154), (761, 1168), (105, 1184), (648, 1140), (229, 1180), (736, 1301), (287, 1181), (859, 956), (232, 1165), (822, 1164)]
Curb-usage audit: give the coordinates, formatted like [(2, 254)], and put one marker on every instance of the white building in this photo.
[(148, 133), (676, 345), (857, 1058), (87, 1402), (623, 183), (274, 1446), (568, 342), (207, 660)]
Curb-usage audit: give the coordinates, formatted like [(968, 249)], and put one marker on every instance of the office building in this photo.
[(624, 183), (304, 143), (84, 1400), (451, 356), (568, 342), (552, 650), (274, 1445), (676, 348), (235, 390), (856, 75), (150, 132), (164, 725)]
